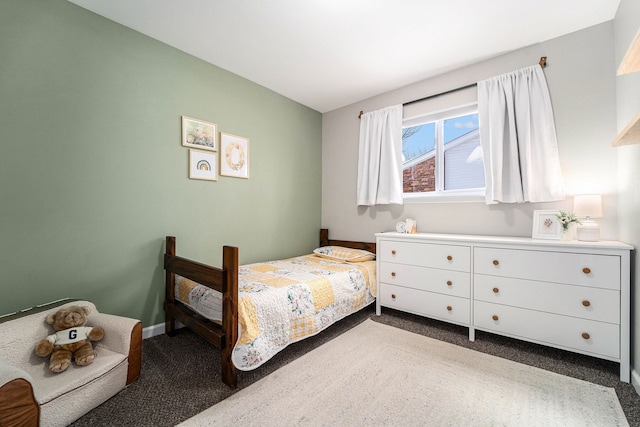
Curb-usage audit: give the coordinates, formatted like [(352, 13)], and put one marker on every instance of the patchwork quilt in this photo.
[(281, 302)]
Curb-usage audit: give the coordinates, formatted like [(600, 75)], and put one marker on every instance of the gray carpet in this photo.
[(180, 375)]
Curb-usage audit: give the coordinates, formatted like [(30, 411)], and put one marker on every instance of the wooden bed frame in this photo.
[(224, 280)]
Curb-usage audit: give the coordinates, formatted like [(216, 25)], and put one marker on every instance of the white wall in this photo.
[(581, 78), (626, 24)]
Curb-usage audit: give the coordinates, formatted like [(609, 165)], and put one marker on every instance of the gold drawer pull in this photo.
[(586, 336), (449, 283), (393, 296), (496, 262), (586, 270), (586, 303), (495, 317), (496, 290), (393, 274), (449, 308), (393, 252), (449, 257)]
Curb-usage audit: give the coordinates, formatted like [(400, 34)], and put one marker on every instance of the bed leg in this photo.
[(229, 314), (169, 297), (169, 326), (229, 372)]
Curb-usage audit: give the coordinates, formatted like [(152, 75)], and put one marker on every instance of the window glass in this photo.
[(443, 154), (418, 152), (418, 140), (463, 166)]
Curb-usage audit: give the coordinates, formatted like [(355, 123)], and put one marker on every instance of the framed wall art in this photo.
[(199, 134), (234, 155), (203, 165), (546, 225)]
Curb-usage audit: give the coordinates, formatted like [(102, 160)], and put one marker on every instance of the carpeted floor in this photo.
[(180, 375), (380, 375)]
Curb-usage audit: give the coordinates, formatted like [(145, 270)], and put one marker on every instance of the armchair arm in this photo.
[(117, 331), (18, 404), (122, 335)]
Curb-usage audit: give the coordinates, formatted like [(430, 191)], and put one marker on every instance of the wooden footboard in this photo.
[(224, 280)]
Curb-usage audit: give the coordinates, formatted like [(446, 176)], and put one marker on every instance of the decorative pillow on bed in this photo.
[(339, 253)]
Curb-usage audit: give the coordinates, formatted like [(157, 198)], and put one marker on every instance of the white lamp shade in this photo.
[(588, 206)]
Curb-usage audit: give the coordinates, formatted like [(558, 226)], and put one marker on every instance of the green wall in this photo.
[(93, 174)]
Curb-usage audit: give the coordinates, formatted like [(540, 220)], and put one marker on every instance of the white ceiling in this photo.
[(326, 54)]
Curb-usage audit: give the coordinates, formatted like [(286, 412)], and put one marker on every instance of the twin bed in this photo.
[(253, 311)]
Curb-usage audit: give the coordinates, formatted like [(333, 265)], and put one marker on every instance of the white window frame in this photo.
[(440, 195)]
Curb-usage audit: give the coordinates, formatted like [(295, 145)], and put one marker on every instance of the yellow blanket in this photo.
[(281, 302)]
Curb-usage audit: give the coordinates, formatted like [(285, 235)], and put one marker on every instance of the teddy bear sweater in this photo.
[(69, 336)]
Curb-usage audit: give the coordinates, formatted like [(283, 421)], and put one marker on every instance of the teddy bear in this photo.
[(72, 339)]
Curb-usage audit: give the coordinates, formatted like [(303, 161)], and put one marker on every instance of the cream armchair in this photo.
[(31, 395)]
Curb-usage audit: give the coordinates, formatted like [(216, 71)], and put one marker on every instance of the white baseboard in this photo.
[(152, 331), (635, 380)]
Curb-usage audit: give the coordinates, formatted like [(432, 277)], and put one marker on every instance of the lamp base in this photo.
[(589, 231)]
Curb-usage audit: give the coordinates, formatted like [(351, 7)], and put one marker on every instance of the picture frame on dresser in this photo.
[(546, 225)]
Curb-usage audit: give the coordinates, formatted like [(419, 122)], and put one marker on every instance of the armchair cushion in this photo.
[(63, 397)]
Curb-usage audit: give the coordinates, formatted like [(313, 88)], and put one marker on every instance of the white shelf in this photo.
[(630, 134), (631, 61), (630, 64)]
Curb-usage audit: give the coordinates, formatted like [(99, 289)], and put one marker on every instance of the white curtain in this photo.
[(518, 138), (380, 157)]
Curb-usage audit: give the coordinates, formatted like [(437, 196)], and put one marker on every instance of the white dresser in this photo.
[(570, 295)]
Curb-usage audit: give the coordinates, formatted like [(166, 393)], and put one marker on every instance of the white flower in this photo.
[(566, 218)]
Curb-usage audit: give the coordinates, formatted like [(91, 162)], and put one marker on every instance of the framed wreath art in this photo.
[(234, 155)]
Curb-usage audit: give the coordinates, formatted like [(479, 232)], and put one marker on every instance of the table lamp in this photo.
[(588, 206)]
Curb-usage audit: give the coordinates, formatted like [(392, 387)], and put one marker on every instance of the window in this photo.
[(442, 155)]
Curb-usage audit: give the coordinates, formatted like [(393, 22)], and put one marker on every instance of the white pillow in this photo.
[(339, 253)]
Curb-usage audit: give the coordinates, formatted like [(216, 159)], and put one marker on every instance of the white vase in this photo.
[(568, 235)]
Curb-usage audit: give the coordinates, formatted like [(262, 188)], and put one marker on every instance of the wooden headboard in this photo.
[(325, 241)]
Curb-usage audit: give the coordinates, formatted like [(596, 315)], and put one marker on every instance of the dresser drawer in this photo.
[(602, 305), (545, 328), (447, 282), (599, 271), (438, 306), (448, 257)]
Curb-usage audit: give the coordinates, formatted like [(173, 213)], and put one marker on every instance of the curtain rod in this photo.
[(543, 63)]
